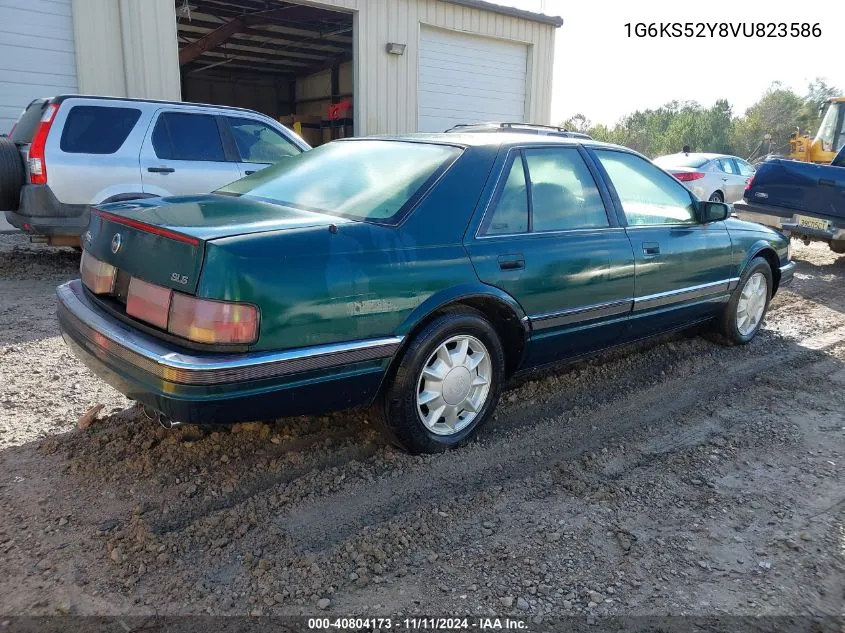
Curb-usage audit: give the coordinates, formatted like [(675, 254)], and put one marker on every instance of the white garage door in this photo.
[(467, 79), (37, 56)]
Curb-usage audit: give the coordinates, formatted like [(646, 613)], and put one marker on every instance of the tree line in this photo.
[(669, 128)]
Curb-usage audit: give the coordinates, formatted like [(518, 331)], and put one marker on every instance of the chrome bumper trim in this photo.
[(108, 339)]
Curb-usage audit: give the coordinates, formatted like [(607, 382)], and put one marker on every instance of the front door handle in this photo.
[(826, 182), (249, 172), (160, 170), (651, 248), (511, 262)]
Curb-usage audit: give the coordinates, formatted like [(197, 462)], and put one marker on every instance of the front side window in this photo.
[(97, 129), (745, 169), (510, 214), (648, 195), (827, 128), (181, 136), (259, 143), (364, 180), (564, 195)]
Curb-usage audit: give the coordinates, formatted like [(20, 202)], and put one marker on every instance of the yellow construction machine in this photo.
[(829, 139)]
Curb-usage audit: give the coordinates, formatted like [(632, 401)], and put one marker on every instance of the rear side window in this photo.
[(28, 122), (727, 166), (259, 143), (563, 193), (511, 212), (180, 136), (97, 129)]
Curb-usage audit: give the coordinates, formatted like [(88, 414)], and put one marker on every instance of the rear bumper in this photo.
[(41, 213), (786, 220), (219, 388)]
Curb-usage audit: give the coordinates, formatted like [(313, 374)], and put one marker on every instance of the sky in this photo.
[(602, 73)]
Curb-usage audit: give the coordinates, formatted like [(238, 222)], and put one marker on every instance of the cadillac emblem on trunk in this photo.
[(115, 243)]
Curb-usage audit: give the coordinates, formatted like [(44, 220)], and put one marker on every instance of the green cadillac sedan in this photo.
[(419, 272)]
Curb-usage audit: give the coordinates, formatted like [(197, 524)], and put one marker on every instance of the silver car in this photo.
[(716, 177), (69, 152)]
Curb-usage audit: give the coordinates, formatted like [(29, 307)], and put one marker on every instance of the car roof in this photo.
[(704, 155), (189, 104), (473, 139)]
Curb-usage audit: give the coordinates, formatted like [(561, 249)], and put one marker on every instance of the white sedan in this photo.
[(716, 177)]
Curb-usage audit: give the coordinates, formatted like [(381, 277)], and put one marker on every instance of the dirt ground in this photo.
[(676, 477)]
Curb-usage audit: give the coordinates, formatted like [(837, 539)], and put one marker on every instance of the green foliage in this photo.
[(669, 128)]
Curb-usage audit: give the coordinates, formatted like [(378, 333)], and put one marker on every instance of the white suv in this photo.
[(67, 153)]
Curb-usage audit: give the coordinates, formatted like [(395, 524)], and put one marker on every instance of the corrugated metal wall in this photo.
[(129, 48), (36, 54), (386, 95)]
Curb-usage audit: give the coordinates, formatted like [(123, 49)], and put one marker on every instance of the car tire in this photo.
[(12, 175), (745, 311), (838, 246), (455, 362), (717, 197)]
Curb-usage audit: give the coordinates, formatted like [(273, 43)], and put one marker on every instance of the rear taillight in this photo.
[(148, 302), (37, 166), (97, 276), (749, 183), (686, 176), (213, 322), (199, 320)]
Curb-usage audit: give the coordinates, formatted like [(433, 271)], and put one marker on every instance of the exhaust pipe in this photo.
[(157, 416), (166, 422)]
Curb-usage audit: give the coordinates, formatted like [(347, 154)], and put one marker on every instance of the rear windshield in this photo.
[(28, 122), (375, 181), (680, 160), (97, 129)]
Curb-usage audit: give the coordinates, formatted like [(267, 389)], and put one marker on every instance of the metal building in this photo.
[(374, 66)]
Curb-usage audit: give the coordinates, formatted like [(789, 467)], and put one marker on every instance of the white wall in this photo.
[(36, 54), (386, 94), (127, 48)]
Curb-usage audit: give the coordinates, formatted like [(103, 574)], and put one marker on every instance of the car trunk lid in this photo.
[(799, 187), (162, 240)]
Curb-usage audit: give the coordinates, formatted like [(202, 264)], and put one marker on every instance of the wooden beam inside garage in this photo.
[(214, 39)]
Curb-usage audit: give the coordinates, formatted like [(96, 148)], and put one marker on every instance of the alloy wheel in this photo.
[(752, 303), (454, 384)]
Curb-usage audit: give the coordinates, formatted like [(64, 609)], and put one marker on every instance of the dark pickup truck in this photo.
[(803, 200)]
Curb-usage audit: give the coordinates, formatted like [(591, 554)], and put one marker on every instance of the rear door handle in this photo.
[(160, 170), (826, 182), (249, 172), (651, 248), (511, 262)]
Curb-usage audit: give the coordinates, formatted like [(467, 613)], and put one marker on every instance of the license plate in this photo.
[(813, 223)]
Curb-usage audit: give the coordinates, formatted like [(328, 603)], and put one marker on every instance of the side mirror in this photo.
[(713, 211)]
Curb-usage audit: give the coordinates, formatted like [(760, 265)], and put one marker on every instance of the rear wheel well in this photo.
[(501, 317), (774, 263)]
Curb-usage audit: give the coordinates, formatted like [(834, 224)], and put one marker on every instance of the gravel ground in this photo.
[(675, 477)]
